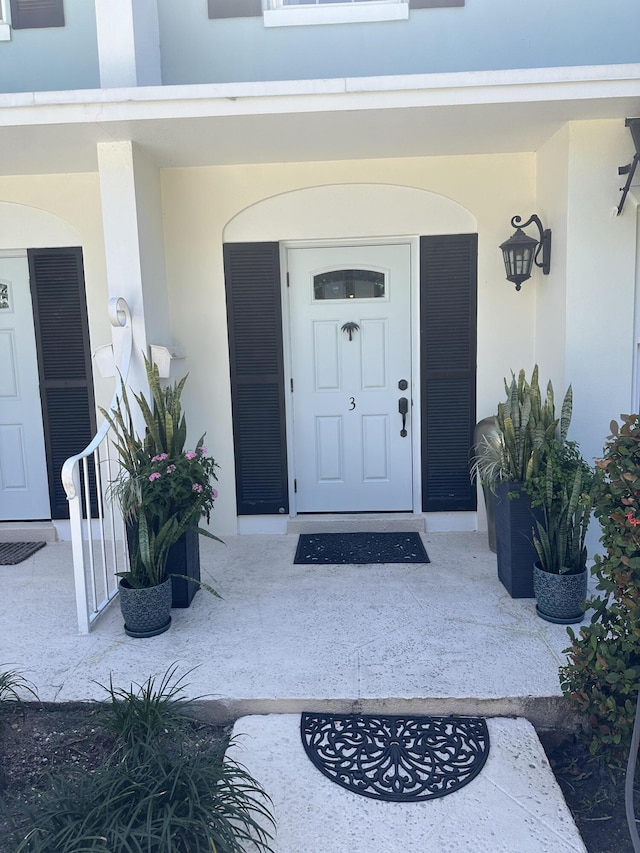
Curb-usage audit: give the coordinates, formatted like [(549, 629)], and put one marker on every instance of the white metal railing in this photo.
[(98, 538)]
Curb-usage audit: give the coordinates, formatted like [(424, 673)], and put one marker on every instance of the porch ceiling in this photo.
[(455, 114)]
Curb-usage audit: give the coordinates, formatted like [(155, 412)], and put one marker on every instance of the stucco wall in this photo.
[(199, 204), (482, 35), (601, 280), (578, 323), (53, 58), (585, 307), (44, 211)]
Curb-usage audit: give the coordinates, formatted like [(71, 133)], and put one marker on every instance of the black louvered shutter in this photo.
[(29, 14), (64, 361), (448, 287), (254, 315)]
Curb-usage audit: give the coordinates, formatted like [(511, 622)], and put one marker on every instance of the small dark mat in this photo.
[(15, 552), (360, 548), (396, 758)]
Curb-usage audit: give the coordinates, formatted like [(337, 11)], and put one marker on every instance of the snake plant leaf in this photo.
[(565, 413), (144, 546), (150, 422)]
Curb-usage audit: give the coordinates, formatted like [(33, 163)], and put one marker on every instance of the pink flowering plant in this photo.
[(181, 485), (162, 489)]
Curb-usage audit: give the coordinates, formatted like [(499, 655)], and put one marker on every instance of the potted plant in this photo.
[(507, 461), (163, 491), (563, 493)]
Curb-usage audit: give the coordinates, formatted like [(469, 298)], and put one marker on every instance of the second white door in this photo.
[(24, 487), (351, 377)]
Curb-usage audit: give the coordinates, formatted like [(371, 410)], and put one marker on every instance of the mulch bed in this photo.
[(595, 794), (62, 739)]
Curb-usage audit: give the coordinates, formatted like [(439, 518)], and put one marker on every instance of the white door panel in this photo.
[(350, 347), (24, 491)]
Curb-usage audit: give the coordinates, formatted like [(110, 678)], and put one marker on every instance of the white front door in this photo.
[(24, 488), (350, 317)]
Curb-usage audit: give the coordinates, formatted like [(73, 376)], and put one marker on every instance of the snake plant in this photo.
[(563, 492), (525, 424)]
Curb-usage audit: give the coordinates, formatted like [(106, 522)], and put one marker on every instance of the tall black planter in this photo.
[(184, 559), (514, 545)]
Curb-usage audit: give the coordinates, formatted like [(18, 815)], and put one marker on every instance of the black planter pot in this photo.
[(516, 555), (146, 612), (559, 598), (184, 559)]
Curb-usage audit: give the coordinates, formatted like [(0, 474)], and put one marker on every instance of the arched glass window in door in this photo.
[(349, 284)]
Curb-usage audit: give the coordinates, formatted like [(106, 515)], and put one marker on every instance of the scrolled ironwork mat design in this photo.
[(396, 758)]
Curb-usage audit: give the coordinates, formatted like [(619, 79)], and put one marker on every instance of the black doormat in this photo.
[(360, 548), (15, 552), (396, 758)]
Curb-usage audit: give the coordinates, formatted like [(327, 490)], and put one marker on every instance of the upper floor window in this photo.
[(299, 12)]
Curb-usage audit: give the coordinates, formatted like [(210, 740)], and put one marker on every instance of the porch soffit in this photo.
[(308, 120)]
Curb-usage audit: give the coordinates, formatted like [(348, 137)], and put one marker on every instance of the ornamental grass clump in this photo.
[(14, 689), (163, 790), (602, 677)]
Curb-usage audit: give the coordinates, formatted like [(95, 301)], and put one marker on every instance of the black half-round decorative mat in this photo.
[(12, 553), (396, 758), (360, 548)]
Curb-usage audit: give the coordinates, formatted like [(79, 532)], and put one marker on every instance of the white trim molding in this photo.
[(276, 14), (5, 21)]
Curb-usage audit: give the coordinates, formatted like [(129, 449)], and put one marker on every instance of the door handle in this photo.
[(403, 408)]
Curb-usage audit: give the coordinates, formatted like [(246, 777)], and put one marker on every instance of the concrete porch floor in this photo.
[(436, 638), (423, 639)]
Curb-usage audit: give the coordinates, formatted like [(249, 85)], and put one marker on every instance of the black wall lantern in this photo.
[(520, 251)]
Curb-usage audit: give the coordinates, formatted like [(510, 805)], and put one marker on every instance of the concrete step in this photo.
[(396, 522), (514, 804), (28, 531)]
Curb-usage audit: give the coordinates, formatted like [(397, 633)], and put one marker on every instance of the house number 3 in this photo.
[(352, 403)]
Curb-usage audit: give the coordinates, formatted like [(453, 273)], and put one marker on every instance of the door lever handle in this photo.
[(403, 408)]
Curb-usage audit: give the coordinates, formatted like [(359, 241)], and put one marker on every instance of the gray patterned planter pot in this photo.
[(559, 598), (146, 612)]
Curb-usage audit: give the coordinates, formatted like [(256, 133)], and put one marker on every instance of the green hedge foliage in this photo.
[(602, 676)]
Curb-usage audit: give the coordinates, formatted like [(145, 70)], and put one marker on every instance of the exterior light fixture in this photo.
[(520, 251)]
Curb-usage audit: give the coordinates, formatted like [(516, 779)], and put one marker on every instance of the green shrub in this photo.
[(602, 676)]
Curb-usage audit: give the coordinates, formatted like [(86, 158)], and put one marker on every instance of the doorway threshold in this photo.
[(28, 531), (362, 522)]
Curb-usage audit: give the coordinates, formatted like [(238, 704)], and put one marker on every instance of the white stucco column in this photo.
[(128, 43), (134, 245)]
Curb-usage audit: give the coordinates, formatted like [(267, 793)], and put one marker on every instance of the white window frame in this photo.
[(278, 15), (5, 21)]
